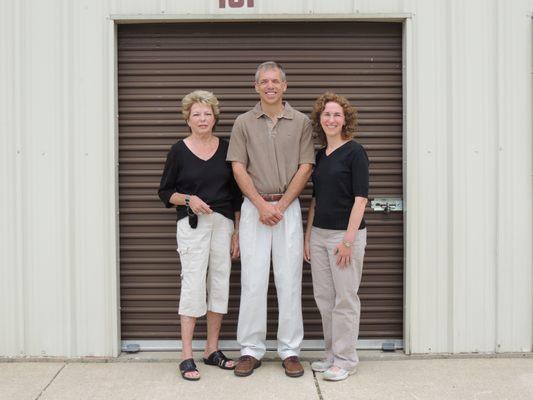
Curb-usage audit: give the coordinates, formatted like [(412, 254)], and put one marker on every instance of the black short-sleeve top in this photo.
[(211, 180), (337, 180)]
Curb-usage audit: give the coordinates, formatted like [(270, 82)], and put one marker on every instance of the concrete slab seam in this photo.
[(317, 385), (51, 380)]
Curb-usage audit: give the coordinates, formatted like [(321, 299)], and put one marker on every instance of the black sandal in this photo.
[(219, 359), (188, 365)]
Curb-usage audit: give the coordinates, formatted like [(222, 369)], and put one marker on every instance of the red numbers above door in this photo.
[(235, 3)]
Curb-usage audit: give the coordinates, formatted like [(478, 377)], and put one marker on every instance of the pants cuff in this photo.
[(348, 366), (249, 352), (288, 353), (218, 310)]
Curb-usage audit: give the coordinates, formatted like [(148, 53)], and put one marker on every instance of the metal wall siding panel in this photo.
[(463, 288), (11, 288), (160, 64), (62, 259), (261, 7), (45, 211), (94, 177), (514, 313), (140, 7), (473, 172), (427, 291)]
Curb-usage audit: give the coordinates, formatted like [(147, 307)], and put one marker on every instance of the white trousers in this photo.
[(257, 242), (335, 291), (207, 246)]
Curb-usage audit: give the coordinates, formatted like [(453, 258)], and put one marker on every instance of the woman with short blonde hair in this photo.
[(199, 182), (200, 97)]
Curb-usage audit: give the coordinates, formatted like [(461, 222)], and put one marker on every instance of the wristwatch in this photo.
[(347, 244)]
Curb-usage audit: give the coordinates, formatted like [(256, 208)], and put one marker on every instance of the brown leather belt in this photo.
[(271, 197)]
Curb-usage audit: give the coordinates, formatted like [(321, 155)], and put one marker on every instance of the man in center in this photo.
[(272, 154)]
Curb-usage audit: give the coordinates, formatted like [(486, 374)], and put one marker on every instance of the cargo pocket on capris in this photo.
[(189, 259)]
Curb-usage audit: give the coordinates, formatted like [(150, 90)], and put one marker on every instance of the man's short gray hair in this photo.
[(267, 66)]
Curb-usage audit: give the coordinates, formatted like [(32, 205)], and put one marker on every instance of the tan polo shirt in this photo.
[(272, 152)]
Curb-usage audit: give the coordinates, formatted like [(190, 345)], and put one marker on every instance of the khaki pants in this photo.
[(335, 291), (205, 264)]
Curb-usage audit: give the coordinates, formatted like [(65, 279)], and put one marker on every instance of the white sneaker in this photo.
[(320, 366), (337, 374)]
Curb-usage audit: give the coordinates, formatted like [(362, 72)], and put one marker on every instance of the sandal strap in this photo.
[(220, 358), (188, 365)]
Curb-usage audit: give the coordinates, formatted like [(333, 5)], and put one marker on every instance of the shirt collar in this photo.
[(288, 111)]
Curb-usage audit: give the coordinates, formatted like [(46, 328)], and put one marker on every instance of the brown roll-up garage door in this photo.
[(159, 64)]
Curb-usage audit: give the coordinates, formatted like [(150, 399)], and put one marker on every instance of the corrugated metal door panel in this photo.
[(159, 64)]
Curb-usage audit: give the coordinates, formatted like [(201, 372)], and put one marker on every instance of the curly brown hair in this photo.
[(350, 116)]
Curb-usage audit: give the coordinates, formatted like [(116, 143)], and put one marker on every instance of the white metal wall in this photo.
[(468, 161), (469, 242), (58, 292)]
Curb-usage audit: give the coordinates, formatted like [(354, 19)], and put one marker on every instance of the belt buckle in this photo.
[(272, 197)]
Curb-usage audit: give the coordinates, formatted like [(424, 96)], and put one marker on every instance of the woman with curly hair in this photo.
[(335, 237)]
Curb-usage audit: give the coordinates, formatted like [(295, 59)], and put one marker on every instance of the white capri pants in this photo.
[(335, 291), (205, 261)]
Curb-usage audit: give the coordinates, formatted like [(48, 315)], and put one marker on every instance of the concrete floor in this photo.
[(380, 376)]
